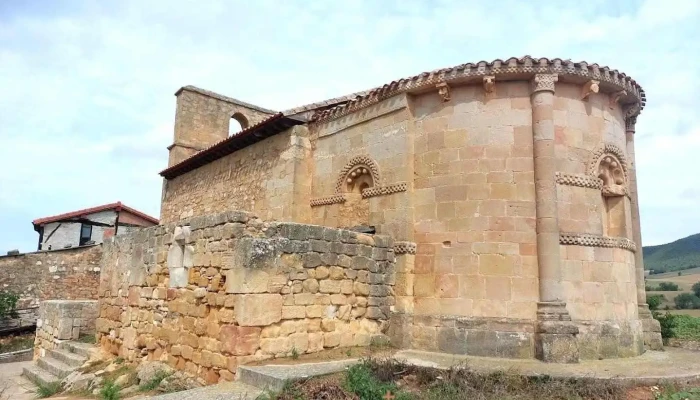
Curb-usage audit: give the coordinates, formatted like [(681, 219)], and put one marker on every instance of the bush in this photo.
[(686, 327), (668, 324), (668, 287), (48, 390), (687, 301), (654, 301), (696, 289), (8, 304), (110, 391)]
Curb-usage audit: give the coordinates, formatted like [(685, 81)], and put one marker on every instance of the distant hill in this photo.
[(675, 256)]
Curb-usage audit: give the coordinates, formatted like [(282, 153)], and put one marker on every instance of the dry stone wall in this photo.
[(68, 274), (214, 292), (61, 320)]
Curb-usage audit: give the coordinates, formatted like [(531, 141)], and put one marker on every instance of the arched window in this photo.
[(237, 123)]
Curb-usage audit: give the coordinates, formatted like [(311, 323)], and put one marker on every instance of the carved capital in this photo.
[(592, 86), (489, 84), (631, 113), (443, 91), (615, 97), (544, 82)]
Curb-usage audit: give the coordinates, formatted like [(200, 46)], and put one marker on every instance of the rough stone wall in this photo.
[(217, 291), (265, 178), (46, 275), (61, 320), (383, 133), (202, 120)]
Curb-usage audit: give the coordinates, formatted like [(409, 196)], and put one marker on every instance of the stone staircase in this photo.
[(58, 363)]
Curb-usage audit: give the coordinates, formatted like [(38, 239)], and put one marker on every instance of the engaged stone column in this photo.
[(650, 326), (556, 335)]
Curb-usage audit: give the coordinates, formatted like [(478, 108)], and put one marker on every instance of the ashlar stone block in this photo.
[(258, 309)]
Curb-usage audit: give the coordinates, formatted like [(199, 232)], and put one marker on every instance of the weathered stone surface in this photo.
[(239, 340), (258, 309)]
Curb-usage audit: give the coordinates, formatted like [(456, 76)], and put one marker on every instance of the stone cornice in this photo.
[(611, 81), (327, 200)]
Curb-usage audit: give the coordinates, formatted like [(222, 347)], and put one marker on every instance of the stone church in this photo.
[(509, 188)]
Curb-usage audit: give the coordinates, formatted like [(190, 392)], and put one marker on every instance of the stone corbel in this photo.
[(592, 86), (443, 91), (615, 97), (489, 84), (631, 112)]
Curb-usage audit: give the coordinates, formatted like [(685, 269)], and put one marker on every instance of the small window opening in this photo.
[(85, 234), (237, 123)]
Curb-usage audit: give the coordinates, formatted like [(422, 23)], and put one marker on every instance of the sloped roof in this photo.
[(118, 206), (253, 134)]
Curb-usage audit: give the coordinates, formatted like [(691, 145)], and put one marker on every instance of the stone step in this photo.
[(65, 356), (55, 367), (226, 390), (273, 377), (39, 376), (82, 349)]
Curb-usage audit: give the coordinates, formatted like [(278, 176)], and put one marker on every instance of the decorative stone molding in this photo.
[(592, 240), (544, 82), (489, 84), (443, 91), (512, 66), (585, 181), (609, 164), (592, 86), (386, 106), (358, 162), (615, 97), (327, 200), (382, 190), (404, 248)]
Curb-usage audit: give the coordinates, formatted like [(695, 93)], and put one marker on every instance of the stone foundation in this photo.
[(487, 337), (61, 320)]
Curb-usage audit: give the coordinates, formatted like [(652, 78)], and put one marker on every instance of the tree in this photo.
[(696, 289), (686, 301), (668, 287)]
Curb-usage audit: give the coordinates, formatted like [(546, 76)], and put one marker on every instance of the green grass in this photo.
[(87, 339), (363, 381), (674, 393), (110, 391), (154, 382), (17, 343), (48, 390), (687, 327)]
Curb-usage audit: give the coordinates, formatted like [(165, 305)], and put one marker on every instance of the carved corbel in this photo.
[(443, 91), (592, 86), (631, 112), (615, 97), (489, 84)]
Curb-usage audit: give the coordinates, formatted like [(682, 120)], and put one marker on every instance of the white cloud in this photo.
[(88, 106)]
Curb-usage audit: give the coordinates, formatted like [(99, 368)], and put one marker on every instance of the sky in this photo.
[(86, 87)]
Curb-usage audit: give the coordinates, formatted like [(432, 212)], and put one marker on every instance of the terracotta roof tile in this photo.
[(86, 211)]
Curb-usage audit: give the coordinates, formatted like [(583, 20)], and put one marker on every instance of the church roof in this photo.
[(269, 127)]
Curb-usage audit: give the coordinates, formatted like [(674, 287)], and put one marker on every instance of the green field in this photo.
[(684, 282)]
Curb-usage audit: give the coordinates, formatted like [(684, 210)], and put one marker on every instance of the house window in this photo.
[(85, 234)]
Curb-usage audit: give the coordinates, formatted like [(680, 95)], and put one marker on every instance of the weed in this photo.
[(289, 391), (672, 393), (154, 382), (348, 352), (379, 343), (110, 391), (87, 339), (48, 390), (119, 360), (361, 380), (295, 353)]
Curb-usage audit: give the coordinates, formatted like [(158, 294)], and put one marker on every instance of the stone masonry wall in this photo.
[(217, 291), (68, 274), (61, 320), (260, 178)]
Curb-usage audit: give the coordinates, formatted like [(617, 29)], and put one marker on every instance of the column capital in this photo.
[(631, 111), (544, 82)]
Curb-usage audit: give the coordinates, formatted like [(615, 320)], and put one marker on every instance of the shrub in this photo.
[(48, 390), (654, 301), (696, 289), (687, 301), (110, 391), (361, 381), (8, 304), (668, 287), (668, 324), (686, 327)]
